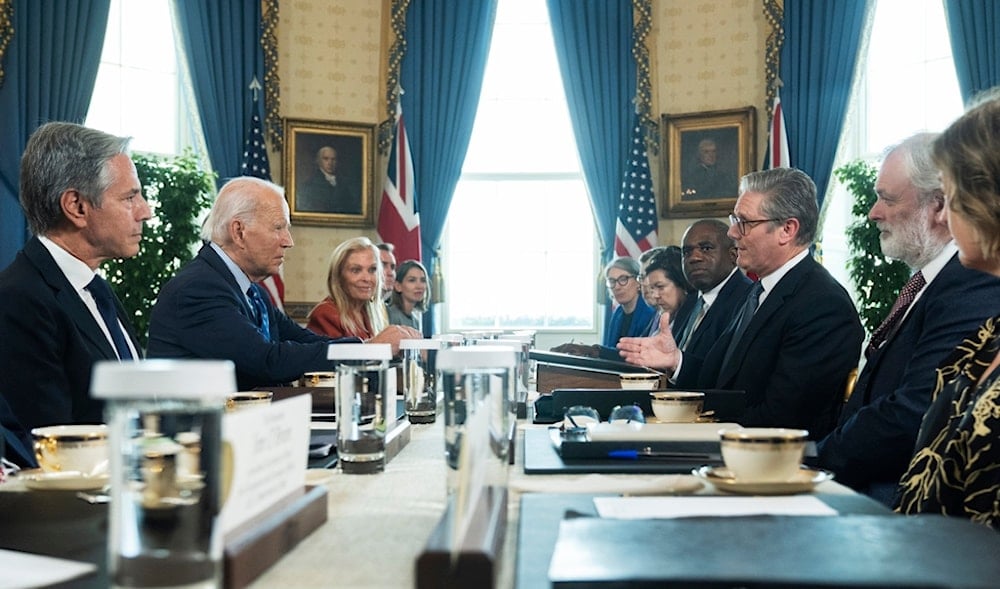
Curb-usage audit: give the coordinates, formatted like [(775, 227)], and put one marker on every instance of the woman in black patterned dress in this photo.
[(955, 469)]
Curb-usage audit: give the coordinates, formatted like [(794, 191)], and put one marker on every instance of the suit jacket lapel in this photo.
[(775, 300), (67, 297), (211, 257)]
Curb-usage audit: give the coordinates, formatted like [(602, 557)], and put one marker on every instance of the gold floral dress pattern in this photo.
[(956, 467)]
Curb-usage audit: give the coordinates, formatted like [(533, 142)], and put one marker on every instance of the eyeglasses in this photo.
[(746, 225), (620, 281), (704, 248)]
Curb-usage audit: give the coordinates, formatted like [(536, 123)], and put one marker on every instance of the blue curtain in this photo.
[(817, 68), (447, 43), (975, 45), (222, 43), (51, 68), (593, 41)]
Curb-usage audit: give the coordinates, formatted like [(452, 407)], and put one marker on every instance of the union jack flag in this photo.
[(635, 231), (777, 141), (398, 220)]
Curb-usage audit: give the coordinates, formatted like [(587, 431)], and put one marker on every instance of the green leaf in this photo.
[(178, 192), (877, 280)]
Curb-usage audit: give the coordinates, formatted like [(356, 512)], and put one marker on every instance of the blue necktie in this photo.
[(749, 308), (260, 312), (105, 300)]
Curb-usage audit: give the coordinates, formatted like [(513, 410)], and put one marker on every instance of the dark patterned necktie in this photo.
[(105, 300), (260, 312), (749, 308), (903, 302)]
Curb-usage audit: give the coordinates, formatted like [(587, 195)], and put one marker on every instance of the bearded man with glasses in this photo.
[(797, 336)]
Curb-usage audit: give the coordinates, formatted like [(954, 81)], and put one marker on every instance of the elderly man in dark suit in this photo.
[(709, 262), (872, 445), (81, 195), (214, 308), (797, 336)]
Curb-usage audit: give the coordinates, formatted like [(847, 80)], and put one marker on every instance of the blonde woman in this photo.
[(354, 306)]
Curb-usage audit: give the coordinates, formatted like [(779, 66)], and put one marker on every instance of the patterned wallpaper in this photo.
[(707, 55), (330, 60), (704, 55)]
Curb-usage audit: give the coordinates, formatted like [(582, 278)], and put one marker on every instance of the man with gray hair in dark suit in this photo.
[(941, 304), (81, 195), (797, 335)]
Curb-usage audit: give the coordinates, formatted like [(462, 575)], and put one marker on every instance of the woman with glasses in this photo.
[(955, 469), (631, 317)]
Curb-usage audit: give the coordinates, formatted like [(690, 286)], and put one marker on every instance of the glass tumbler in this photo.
[(167, 470), (361, 397), (476, 381), (419, 378)]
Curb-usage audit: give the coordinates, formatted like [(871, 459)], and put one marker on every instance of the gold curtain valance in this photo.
[(774, 12), (6, 30), (392, 86), (642, 12), (272, 83)]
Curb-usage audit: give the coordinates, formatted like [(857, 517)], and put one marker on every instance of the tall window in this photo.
[(908, 85), (139, 90), (520, 245)]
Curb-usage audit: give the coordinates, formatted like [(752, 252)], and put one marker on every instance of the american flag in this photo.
[(777, 144), (637, 224), (398, 221), (255, 163)]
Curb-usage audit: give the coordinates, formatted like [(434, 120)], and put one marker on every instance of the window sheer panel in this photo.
[(908, 85), (521, 137), (542, 275), (521, 248), (137, 92)]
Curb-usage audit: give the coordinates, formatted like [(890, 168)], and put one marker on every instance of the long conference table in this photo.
[(379, 524)]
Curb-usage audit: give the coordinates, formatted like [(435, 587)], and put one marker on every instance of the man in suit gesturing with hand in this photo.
[(797, 336)]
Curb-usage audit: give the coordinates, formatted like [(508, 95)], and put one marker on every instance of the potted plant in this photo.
[(178, 191), (877, 280)]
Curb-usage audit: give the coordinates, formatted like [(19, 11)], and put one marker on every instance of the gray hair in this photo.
[(788, 194), (630, 265), (65, 156), (237, 200), (919, 166)]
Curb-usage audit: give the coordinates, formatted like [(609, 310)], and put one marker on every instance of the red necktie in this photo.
[(906, 296)]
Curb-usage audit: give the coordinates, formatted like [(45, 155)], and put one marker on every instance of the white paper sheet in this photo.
[(670, 507), (21, 569)]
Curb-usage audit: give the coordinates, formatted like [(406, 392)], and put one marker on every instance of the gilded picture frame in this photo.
[(704, 156), (329, 173)]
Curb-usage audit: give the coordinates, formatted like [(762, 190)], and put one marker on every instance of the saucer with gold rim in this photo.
[(804, 481)]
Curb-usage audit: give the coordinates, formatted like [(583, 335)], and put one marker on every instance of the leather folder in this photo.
[(776, 551)]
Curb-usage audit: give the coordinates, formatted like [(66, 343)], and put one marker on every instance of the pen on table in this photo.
[(637, 455)]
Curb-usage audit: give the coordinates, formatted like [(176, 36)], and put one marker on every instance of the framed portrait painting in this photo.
[(328, 172), (704, 156)]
